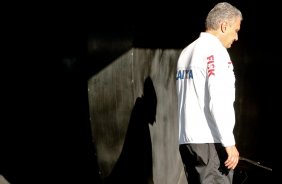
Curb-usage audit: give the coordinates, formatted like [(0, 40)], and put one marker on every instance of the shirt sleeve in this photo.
[(221, 89)]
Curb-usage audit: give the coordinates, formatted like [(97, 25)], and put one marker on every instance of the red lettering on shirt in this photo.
[(210, 65), (229, 63)]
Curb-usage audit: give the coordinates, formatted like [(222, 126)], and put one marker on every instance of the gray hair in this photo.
[(222, 12)]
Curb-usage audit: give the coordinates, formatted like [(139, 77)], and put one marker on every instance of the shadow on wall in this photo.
[(135, 162)]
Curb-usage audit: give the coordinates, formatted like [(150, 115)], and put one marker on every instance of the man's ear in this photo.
[(223, 26)]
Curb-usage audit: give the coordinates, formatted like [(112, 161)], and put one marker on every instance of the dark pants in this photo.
[(204, 163)]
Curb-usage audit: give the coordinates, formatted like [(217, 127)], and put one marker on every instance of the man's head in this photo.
[(224, 21)]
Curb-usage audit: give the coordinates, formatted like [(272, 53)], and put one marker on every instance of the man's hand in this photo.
[(233, 157)]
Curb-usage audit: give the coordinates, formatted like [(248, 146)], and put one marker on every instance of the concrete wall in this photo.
[(113, 93)]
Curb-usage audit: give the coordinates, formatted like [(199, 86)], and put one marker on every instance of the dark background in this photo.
[(45, 127)]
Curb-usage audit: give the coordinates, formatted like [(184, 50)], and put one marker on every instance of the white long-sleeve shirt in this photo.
[(206, 92)]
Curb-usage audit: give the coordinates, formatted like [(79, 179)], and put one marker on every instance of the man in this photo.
[(206, 92)]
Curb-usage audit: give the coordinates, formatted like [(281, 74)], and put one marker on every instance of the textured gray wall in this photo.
[(112, 94)]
